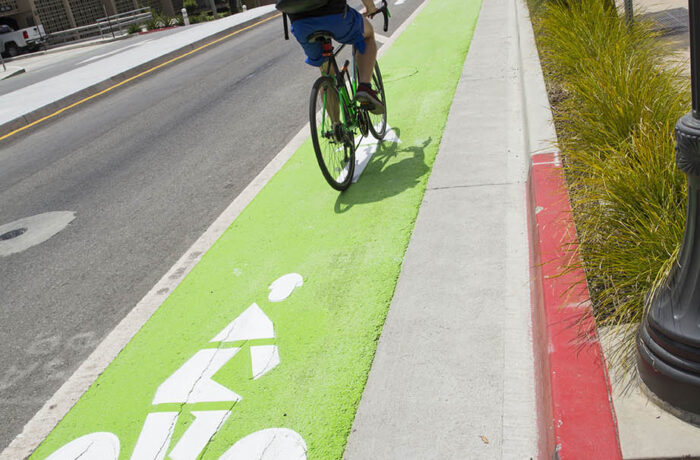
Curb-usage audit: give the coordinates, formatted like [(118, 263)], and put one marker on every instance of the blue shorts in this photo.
[(348, 28)]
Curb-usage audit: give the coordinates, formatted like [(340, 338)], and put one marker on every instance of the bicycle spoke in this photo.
[(330, 137)]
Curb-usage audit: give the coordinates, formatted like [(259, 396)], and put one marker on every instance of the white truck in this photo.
[(13, 42)]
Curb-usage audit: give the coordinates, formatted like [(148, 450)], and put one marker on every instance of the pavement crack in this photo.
[(168, 439), (218, 428), (171, 430), (262, 454), (224, 419), (85, 451), (265, 369)]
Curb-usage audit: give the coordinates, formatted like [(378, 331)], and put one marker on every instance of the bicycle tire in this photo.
[(328, 140), (377, 123)]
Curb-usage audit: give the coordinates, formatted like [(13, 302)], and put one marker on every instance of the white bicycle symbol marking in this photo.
[(192, 383)]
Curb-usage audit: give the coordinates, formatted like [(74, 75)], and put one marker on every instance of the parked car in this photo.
[(14, 42)]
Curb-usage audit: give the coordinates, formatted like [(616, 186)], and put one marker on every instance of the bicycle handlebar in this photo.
[(385, 12)]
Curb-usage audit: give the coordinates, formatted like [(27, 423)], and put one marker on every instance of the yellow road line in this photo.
[(58, 112)]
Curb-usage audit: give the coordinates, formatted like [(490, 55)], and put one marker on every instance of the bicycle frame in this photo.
[(347, 101)]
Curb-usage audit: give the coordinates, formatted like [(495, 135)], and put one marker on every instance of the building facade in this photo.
[(57, 15)]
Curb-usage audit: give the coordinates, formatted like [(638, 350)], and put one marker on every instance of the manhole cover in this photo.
[(13, 234), (24, 233)]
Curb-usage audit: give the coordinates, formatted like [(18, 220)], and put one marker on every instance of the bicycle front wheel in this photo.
[(377, 123), (333, 142)]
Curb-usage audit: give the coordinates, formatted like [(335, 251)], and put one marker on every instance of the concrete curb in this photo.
[(576, 415), (52, 107), (576, 418), (66, 47)]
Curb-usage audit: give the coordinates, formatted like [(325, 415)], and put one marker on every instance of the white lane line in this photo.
[(381, 38), (100, 56), (39, 427), (399, 2)]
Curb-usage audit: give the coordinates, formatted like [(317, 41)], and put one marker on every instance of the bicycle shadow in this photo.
[(383, 178)]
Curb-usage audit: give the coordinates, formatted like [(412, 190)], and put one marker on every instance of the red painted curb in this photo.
[(576, 417)]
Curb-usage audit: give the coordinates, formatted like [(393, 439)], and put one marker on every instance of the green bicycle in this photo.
[(336, 115)]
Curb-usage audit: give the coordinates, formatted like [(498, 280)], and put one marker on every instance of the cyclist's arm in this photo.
[(370, 7)]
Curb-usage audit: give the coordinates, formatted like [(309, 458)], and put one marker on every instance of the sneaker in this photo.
[(369, 99)]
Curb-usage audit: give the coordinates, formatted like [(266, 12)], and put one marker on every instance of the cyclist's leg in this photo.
[(332, 102), (366, 60), (358, 31), (314, 56)]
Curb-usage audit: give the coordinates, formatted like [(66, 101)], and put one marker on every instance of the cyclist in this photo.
[(347, 26)]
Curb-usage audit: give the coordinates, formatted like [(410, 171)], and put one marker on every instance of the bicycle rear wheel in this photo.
[(333, 143)]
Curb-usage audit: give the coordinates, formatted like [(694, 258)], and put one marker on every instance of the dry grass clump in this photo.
[(615, 122)]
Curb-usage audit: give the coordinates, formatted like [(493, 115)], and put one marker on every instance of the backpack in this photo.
[(299, 6)]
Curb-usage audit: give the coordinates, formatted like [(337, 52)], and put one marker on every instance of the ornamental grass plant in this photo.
[(616, 98)]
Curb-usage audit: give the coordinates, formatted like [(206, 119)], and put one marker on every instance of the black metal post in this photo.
[(668, 343), (629, 12), (104, 8)]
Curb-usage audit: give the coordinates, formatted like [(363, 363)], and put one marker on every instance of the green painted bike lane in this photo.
[(316, 346)]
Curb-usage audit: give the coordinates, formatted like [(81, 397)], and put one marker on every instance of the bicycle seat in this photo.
[(320, 36)]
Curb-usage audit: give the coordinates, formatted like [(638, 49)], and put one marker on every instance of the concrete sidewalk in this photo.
[(453, 375)]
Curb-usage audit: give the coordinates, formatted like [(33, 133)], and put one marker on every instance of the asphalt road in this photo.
[(39, 67), (146, 169)]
